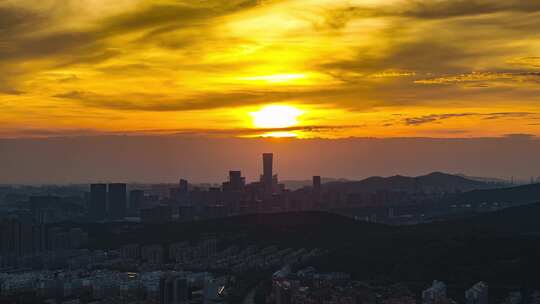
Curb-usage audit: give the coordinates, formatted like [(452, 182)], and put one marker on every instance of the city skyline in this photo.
[(156, 159)]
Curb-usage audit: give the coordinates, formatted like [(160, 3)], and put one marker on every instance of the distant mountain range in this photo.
[(514, 195), (486, 179), (436, 181)]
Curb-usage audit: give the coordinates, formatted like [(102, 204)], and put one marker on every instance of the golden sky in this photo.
[(375, 68)]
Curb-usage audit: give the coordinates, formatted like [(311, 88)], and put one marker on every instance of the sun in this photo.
[(276, 116)]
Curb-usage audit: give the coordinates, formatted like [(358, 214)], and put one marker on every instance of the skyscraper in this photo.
[(317, 190), (136, 201), (316, 184), (236, 182), (117, 200), (435, 294), (478, 294), (183, 187), (98, 201), (267, 173), (173, 289)]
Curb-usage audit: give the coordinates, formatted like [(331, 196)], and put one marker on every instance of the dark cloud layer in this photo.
[(18, 23), (437, 118), (428, 9)]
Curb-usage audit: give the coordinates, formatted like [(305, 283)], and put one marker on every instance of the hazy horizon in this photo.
[(154, 159)]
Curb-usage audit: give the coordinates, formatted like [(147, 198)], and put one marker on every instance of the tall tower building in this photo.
[(136, 201), (183, 186), (98, 201), (316, 184), (478, 294), (173, 289), (236, 181), (268, 159), (317, 189), (117, 200)]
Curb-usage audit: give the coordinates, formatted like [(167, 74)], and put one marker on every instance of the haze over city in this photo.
[(165, 158)]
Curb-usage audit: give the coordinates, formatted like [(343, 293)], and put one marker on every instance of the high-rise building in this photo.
[(117, 201), (173, 289), (478, 294), (152, 254), (26, 240), (77, 238), (317, 184), (40, 204), (435, 294), (156, 214), (183, 186), (10, 241), (136, 201), (182, 195), (20, 237), (98, 201), (236, 181), (130, 251), (57, 239), (212, 291), (267, 173)]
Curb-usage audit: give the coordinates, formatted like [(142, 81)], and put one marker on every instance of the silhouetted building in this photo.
[(20, 237), (10, 230), (131, 251), (157, 214), (77, 238), (136, 201), (183, 186), (42, 204), (98, 201), (152, 254), (267, 174), (436, 294), (236, 182), (317, 184), (478, 294), (211, 291), (182, 194), (173, 289), (58, 239), (117, 201)]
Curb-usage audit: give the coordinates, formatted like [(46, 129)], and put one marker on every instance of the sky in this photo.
[(167, 158), (248, 68)]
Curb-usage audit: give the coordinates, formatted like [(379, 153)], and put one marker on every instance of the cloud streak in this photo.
[(438, 118), (486, 78)]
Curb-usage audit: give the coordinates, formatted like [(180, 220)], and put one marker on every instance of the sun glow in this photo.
[(276, 116), (276, 78), (279, 134)]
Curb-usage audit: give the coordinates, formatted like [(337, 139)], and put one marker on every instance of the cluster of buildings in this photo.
[(206, 256), (178, 273), (184, 202), (437, 294), (24, 243), (201, 271), (157, 203), (110, 286), (309, 286)]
